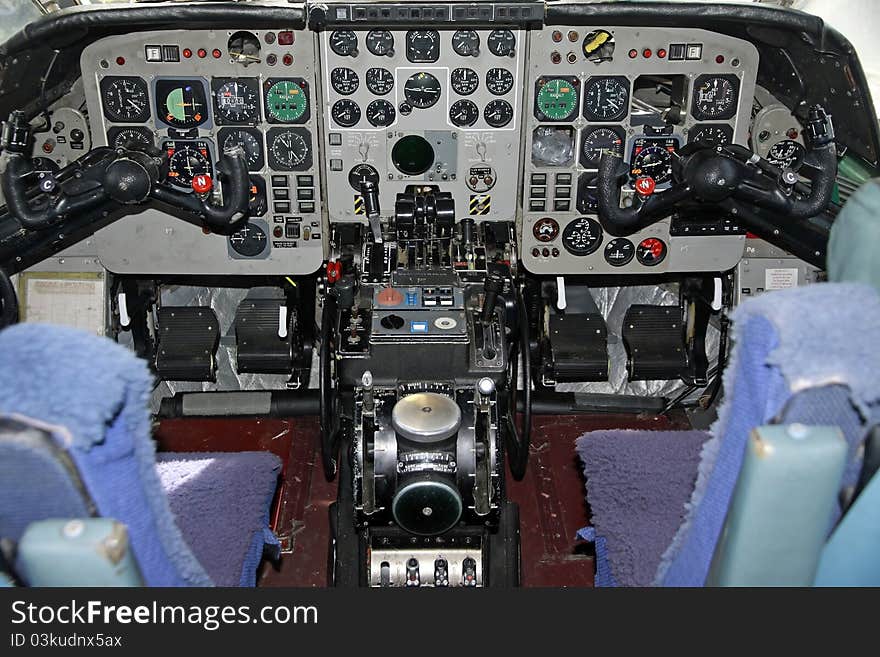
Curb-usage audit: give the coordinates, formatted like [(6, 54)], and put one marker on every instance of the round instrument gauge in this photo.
[(379, 81), (619, 252), (653, 160), (651, 251), (464, 113), (362, 173), (257, 204), (466, 43), (346, 113), (711, 135), (598, 141), (344, 80), (186, 160), (412, 155), (715, 97), (546, 229), (502, 43), (464, 81), (344, 43), (582, 236), (498, 113), (237, 101), (286, 101), (606, 98), (381, 113), (422, 90), (130, 137), (557, 99), (786, 154), (181, 103), (499, 81), (290, 149), (380, 43), (125, 100), (249, 241), (248, 139), (422, 46)]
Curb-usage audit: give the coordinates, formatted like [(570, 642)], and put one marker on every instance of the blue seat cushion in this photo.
[(221, 503)]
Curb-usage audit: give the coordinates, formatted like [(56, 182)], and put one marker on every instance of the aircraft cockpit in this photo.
[(436, 294)]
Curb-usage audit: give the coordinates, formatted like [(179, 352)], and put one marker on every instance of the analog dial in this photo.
[(619, 252), (380, 43), (498, 113), (713, 135), (362, 173), (286, 101), (290, 149), (557, 99), (598, 141), (653, 161), (606, 98), (136, 137), (422, 90), (582, 236), (346, 112), (186, 160), (587, 194), (422, 46), (502, 43), (249, 139), (125, 99), (466, 43), (499, 81), (546, 229), (464, 81), (181, 103), (715, 97), (344, 80), (464, 113), (344, 43), (786, 154), (381, 113), (379, 81), (651, 251), (237, 101), (249, 241)]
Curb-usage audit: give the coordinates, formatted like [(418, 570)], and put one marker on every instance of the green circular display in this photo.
[(557, 99), (286, 101)]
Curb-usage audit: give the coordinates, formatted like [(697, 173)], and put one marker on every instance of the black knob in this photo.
[(77, 135), (493, 286), (392, 322)]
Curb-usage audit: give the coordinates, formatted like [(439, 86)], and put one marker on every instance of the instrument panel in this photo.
[(640, 93), (433, 107), (193, 94), (511, 122)]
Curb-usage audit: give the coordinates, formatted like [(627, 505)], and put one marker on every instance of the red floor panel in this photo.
[(551, 495)]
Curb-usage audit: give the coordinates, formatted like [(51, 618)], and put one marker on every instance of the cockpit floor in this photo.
[(551, 496)]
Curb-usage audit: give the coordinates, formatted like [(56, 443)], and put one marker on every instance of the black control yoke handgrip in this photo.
[(618, 221), (224, 218)]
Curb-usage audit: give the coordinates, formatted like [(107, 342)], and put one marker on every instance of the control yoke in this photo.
[(108, 178), (764, 198)]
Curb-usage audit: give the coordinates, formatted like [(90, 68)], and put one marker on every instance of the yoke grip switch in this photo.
[(370, 194)]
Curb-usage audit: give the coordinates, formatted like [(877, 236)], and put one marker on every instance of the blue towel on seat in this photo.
[(786, 342), (99, 392), (221, 502)]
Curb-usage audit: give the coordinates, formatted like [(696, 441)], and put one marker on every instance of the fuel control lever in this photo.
[(370, 194)]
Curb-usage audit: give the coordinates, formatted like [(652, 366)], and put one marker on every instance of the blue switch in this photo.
[(412, 299)]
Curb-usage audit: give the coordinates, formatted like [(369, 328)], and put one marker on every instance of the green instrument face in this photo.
[(286, 101), (557, 99)]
